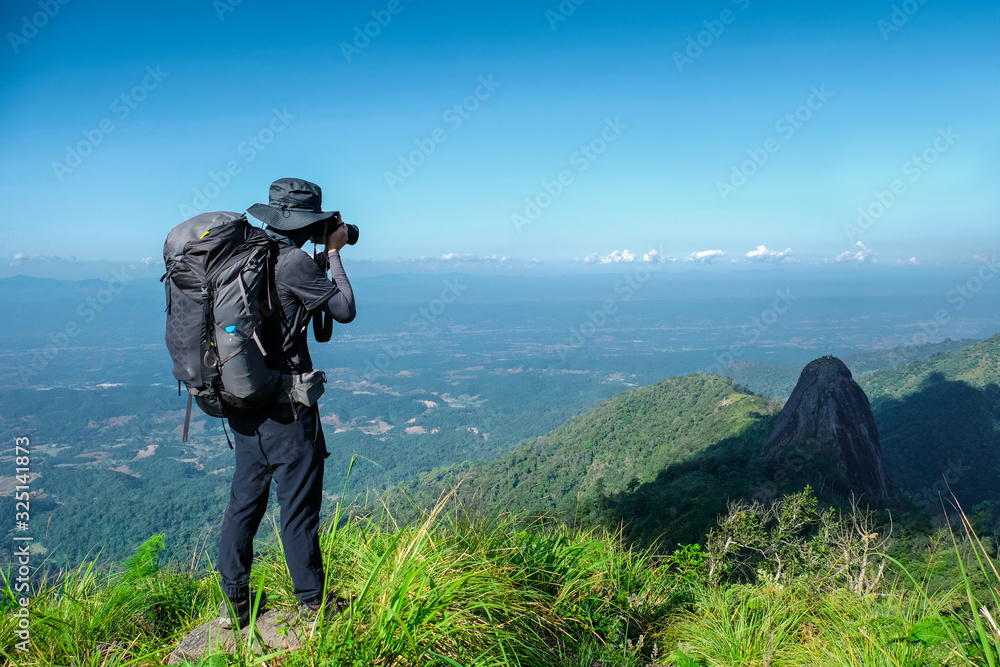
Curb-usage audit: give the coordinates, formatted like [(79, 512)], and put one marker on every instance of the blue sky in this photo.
[(700, 130)]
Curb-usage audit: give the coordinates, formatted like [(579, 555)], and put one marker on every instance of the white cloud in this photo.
[(455, 261), (705, 256), (22, 258), (863, 255), (762, 254), (618, 256), (470, 258), (912, 261), (656, 257), (626, 256)]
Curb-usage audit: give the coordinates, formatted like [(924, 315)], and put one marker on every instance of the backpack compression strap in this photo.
[(187, 419)]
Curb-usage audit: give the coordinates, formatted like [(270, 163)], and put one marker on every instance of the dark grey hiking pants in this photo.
[(273, 444)]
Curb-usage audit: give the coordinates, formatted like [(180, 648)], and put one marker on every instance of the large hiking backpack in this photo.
[(220, 288)]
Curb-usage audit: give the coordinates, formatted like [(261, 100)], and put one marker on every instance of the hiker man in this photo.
[(284, 441)]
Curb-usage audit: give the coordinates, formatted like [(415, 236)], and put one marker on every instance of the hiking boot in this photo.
[(236, 613), (335, 606)]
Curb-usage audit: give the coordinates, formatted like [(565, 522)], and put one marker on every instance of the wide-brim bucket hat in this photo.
[(292, 204)]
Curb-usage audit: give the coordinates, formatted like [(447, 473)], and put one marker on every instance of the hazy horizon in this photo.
[(72, 268)]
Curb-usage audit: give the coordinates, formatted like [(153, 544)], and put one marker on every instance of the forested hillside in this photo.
[(593, 468), (939, 420)]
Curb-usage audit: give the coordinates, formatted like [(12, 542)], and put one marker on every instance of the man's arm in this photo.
[(341, 303), (313, 288)]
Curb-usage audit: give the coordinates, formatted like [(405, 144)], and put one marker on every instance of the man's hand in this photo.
[(337, 239)]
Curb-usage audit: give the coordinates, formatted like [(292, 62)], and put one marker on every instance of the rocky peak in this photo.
[(828, 419)]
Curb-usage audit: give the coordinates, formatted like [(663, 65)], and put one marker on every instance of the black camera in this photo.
[(324, 228), (323, 322)]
